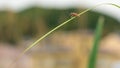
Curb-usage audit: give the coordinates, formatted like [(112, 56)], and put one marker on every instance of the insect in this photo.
[(74, 14)]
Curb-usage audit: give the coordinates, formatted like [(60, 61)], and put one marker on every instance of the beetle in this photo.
[(74, 14)]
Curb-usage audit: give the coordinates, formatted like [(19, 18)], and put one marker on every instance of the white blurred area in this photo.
[(18, 5)]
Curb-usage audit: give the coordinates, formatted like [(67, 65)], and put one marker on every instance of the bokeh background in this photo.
[(24, 21)]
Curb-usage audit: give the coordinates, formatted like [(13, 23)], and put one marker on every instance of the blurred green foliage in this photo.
[(36, 21)]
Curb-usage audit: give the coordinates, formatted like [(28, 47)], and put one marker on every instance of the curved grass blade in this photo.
[(81, 13), (44, 36)]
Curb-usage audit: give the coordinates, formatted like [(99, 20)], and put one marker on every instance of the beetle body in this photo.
[(74, 14)]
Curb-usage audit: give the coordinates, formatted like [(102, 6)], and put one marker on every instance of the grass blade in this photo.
[(44, 36), (98, 33), (81, 13)]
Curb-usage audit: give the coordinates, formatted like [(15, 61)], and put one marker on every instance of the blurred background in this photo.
[(24, 21)]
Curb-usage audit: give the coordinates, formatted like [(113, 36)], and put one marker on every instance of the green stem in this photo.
[(64, 24), (44, 36), (98, 33)]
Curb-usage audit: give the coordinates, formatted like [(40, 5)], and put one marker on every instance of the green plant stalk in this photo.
[(98, 33), (44, 36)]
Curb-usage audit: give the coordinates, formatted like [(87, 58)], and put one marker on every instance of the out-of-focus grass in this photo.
[(98, 34), (99, 28)]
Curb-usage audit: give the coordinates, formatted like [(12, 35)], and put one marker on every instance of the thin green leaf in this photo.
[(98, 33), (44, 36)]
